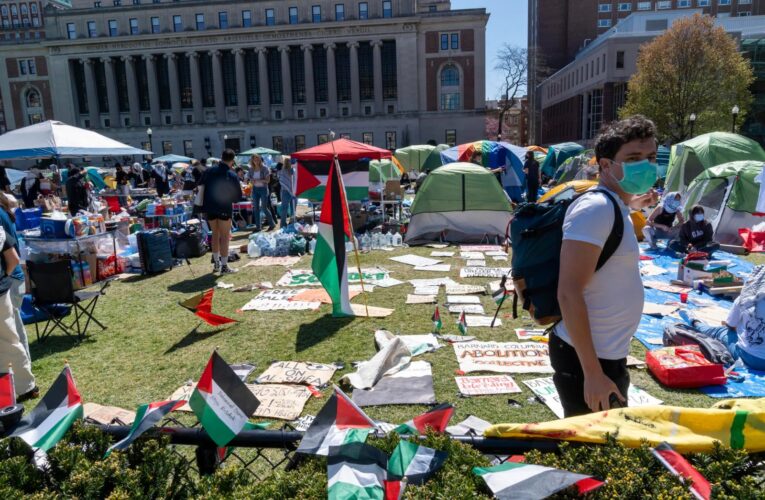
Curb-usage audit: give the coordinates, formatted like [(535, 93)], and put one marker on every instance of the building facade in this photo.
[(204, 74), (559, 29)]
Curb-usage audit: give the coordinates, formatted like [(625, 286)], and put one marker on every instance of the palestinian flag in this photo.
[(462, 324), (339, 422), (414, 462), (394, 490), (313, 178), (221, 401), (224, 452), (53, 415), (679, 466), (437, 419), (201, 305), (436, 321), (329, 262), (145, 418), (356, 471), (7, 389), (519, 480)]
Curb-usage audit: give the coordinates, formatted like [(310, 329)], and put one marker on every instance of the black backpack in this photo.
[(536, 234)]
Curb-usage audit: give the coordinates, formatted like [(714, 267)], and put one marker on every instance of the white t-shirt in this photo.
[(614, 295), (749, 323)]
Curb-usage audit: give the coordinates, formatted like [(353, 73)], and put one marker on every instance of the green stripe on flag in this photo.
[(352, 193), (356, 436), (346, 491), (737, 430), (56, 432), (324, 266), (215, 427), (401, 458)]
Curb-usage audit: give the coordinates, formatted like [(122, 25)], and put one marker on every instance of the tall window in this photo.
[(277, 142), (206, 77), (444, 41), (100, 74), (223, 20), (366, 71), (299, 142), (155, 25), (320, 81), (297, 74), (251, 77), (92, 32), (367, 138), (78, 71), (246, 18), (274, 72), (177, 24), (339, 12), (455, 41), (200, 20), (343, 72), (143, 84), (113, 27), (390, 140), (604, 7), (450, 88), (71, 31), (387, 6), (184, 82), (270, 17), (293, 15), (228, 66), (133, 26), (389, 71), (363, 10), (316, 13), (163, 82)]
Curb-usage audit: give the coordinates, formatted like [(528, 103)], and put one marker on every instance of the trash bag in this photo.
[(298, 245)]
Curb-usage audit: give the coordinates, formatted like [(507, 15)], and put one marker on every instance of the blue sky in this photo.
[(507, 23)]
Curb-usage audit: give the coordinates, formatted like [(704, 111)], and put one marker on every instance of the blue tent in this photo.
[(557, 154), (494, 155)]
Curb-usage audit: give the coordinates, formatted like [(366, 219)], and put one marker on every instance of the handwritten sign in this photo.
[(472, 255), (484, 272), (491, 384), (420, 299), (435, 268), (273, 261), (305, 277), (462, 299), (426, 290), (415, 260), (441, 254), (460, 289), (480, 248), (503, 357), (476, 263), (106, 415), (524, 334), (417, 283), (466, 308), (297, 372), (284, 402), (474, 320)]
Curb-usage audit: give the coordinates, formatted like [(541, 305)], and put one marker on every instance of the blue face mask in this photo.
[(639, 176)]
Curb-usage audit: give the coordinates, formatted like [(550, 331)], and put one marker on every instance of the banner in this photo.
[(503, 357), (485, 385), (305, 277)]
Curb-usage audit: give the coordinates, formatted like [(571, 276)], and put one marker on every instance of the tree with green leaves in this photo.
[(692, 68)]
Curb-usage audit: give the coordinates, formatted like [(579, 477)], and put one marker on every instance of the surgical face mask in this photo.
[(639, 176), (698, 217), (671, 204)]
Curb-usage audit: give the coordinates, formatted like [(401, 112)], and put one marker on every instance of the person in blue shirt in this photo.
[(8, 205)]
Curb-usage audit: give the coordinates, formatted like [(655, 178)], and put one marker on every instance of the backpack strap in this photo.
[(617, 230)]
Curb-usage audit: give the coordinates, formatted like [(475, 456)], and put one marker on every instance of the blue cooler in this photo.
[(53, 228), (28, 218)]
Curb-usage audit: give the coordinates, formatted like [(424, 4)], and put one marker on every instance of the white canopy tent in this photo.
[(54, 138)]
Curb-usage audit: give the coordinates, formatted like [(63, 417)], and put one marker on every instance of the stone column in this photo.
[(196, 87), (286, 82), (90, 88), (220, 102), (310, 94), (111, 92), (132, 85), (331, 79), (151, 75), (241, 86), (265, 98), (355, 91), (377, 59), (175, 92)]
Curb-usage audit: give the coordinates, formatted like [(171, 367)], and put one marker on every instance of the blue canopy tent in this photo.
[(494, 155), (173, 159)]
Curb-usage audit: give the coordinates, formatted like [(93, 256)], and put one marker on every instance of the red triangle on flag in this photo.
[(305, 180), (7, 390), (437, 418), (73, 396), (205, 383), (348, 415)]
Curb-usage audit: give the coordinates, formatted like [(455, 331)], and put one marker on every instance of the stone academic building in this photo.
[(275, 73)]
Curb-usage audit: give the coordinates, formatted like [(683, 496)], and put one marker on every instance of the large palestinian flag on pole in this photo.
[(221, 401), (313, 177), (146, 417), (329, 259), (53, 415)]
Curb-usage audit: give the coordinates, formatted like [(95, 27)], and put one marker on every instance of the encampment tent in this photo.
[(419, 157), (557, 154), (690, 158), (728, 193), (459, 202), (571, 169), (494, 155)]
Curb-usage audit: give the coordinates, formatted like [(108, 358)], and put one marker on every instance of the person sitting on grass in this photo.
[(661, 222), (696, 235)]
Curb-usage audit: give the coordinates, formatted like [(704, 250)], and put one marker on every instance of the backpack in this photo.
[(536, 233), (681, 334)]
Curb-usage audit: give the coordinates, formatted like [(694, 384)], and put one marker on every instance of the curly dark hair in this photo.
[(616, 134)]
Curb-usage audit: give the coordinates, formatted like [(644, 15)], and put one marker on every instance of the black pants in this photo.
[(709, 248), (569, 378), (531, 193)]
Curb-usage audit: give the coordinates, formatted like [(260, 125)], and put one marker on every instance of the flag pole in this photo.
[(504, 296), (350, 223)]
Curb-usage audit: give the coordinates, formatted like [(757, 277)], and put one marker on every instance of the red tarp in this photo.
[(346, 149)]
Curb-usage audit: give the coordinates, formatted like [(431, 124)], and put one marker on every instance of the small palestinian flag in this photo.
[(499, 295), (225, 451), (436, 321), (339, 422), (414, 462), (7, 389), (53, 415), (146, 416), (679, 466), (519, 480), (437, 419), (394, 490), (462, 324), (221, 401), (201, 306), (356, 471)]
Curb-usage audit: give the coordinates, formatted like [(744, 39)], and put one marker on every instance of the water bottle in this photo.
[(398, 240), (365, 242), (375, 241), (312, 246), (274, 199), (388, 239), (253, 250)]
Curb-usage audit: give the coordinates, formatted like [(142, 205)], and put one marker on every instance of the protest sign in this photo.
[(466, 308), (441, 254), (476, 263), (417, 283), (273, 261), (486, 385), (384, 283), (437, 268), (472, 255), (243, 370), (297, 372), (484, 272), (284, 402), (499, 258), (426, 290), (496, 253), (462, 299), (107, 415), (280, 300), (480, 248), (321, 295), (420, 299), (370, 311), (305, 277), (415, 260), (524, 334), (665, 287), (183, 393), (460, 289), (480, 321), (503, 357)]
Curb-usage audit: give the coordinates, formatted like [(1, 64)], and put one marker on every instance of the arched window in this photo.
[(33, 98), (4, 10), (33, 105), (24, 10), (14, 10), (33, 8), (450, 89)]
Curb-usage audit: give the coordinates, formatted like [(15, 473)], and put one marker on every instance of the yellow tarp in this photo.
[(737, 423)]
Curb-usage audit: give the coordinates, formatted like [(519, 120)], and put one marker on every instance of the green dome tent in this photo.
[(728, 193), (557, 154), (459, 202), (383, 171), (690, 158), (572, 168)]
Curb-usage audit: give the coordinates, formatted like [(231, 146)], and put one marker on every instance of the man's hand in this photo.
[(597, 391)]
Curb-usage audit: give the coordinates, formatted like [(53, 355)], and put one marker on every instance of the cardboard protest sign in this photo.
[(665, 287), (321, 295), (473, 320), (441, 254), (183, 393), (426, 290), (486, 385), (499, 258), (263, 285), (476, 263), (660, 310), (525, 334), (279, 300), (273, 261), (503, 357), (466, 308), (385, 282), (284, 402), (297, 372), (412, 385), (484, 272), (496, 253), (417, 283), (420, 299), (472, 255), (480, 248), (437, 268), (107, 415), (462, 299), (370, 311), (305, 277), (460, 289), (415, 260)]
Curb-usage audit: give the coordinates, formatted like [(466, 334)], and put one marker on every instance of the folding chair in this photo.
[(52, 288)]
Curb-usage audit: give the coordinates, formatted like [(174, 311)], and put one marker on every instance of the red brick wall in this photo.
[(562, 122), (12, 67), (468, 40), (467, 64), (431, 42), (17, 98), (41, 64)]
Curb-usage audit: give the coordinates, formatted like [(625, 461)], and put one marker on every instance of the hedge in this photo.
[(151, 469)]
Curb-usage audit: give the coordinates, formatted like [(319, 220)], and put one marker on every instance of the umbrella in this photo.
[(174, 159), (259, 151), (54, 138)]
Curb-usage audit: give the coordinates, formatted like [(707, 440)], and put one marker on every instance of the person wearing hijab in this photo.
[(30, 187), (661, 223), (695, 235), (135, 175), (123, 186)]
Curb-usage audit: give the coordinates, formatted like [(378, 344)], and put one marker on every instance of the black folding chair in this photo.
[(52, 288)]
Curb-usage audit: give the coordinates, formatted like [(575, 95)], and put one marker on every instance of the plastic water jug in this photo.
[(365, 242), (388, 239), (312, 246), (398, 240), (253, 250)]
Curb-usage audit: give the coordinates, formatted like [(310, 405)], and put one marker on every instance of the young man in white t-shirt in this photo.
[(601, 309)]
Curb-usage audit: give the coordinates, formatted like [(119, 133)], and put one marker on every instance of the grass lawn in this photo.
[(151, 347)]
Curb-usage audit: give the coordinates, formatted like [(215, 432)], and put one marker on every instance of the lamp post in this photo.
[(151, 145), (225, 140), (735, 111), (692, 119)]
